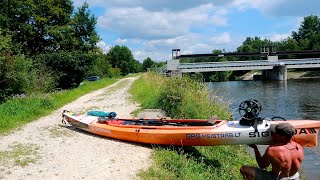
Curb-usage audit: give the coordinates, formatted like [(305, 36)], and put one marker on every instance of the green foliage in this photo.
[(147, 90), (178, 97), (308, 36), (68, 68), (147, 63), (220, 76), (14, 73), (115, 72), (121, 57), (84, 26), (192, 101), (100, 66), (186, 98), (39, 26), (19, 111), (217, 162), (40, 80), (5, 43), (40, 22), (253, 45), (135, 66)]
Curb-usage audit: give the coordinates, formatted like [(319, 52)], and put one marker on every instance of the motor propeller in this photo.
[(249, 109)]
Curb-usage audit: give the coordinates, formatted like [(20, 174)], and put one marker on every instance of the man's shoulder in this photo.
[(273, 148)]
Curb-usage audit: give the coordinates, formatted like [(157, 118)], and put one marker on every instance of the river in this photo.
[(292, 99)]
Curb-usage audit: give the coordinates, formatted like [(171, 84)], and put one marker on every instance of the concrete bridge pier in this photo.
[(172, 68), (278, 73)]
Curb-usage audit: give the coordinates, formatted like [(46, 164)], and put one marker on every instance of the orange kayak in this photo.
[(189, 132)]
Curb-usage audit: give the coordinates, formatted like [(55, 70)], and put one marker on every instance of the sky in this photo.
[(152, 28)]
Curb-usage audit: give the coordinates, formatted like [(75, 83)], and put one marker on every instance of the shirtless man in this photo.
[(285, 156)]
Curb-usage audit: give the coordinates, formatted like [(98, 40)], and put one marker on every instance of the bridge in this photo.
[(272, 68)]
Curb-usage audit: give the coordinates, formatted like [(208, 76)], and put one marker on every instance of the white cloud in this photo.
[(104, 46), (120, 41), (280, 7), (278, 37), (152, 28), (191, 43), (140, 23), (154, 55), (223, 38), (152, 5), (143, 24)]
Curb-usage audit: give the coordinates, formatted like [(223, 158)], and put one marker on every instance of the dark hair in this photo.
[(284, 129)]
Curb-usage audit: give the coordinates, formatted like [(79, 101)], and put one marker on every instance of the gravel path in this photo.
[(44, 149)]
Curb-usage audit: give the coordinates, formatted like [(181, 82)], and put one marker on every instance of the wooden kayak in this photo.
[(190, 132)]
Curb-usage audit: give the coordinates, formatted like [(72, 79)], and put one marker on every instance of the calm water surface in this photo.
[(292, 99)]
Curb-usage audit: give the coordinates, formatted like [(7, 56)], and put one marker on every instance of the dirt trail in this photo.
[(61, 153)]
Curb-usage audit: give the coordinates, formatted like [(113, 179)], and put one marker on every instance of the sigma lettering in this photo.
[(267, 133), (306, 131), (259, 134)]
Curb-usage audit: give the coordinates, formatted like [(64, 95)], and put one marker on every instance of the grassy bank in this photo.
[(184, 98), (19, 111)]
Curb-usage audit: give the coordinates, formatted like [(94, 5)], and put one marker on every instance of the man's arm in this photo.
[(263, 161)]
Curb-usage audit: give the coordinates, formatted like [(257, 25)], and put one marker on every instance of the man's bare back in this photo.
[(286, 159), (285, 156)]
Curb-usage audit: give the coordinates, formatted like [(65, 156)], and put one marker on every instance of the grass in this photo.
[(188, 99), (215, 162), (16, 112), (147, 90)]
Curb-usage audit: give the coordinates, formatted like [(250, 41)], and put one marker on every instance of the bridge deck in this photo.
[(248, 65)]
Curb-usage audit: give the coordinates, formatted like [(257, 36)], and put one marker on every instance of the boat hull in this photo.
[(221, 133)]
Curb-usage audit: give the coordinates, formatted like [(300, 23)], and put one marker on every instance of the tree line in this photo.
[(306, 38), (49, 44)]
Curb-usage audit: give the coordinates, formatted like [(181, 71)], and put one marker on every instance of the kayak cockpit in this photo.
[(159, 123)]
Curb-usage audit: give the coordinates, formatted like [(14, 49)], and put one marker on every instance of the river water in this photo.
[(292, 99)]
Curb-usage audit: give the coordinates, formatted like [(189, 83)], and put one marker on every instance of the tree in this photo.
[(68, 68), (136, 66), (147, 63), (308, 35), (83, 25), (121, 57), (35, 24), (40, 26), (253, 45), (5, 43)]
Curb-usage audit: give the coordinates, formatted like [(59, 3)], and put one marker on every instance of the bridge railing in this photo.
[(227, 64)]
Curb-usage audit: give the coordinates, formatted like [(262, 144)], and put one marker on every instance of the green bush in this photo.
[(68, 68), (100, 67), (40, 80), (114, 72), (183, 97), (14, 73), (186, 98)]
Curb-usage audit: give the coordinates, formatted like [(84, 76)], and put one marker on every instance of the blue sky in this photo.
[(151, 28)]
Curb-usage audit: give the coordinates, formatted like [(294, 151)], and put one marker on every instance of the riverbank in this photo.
[(183, 98)]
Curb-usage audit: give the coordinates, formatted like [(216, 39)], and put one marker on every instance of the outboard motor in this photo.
[(249, 111)]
